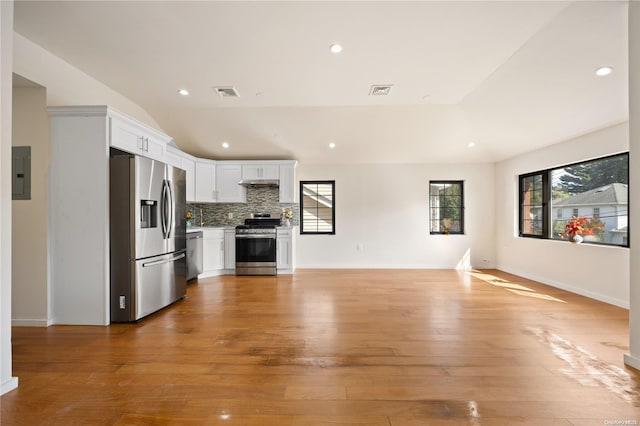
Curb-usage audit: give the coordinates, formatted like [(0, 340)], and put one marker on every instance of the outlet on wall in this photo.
[(230, 215)]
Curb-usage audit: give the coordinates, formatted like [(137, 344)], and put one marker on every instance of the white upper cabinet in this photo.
[(129, 135), (260, 172), (287, 182), (227, 178), (173, 156), (205, 184), (188, 164)]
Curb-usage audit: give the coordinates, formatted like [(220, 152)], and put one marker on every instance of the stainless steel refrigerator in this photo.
[(147, 235)]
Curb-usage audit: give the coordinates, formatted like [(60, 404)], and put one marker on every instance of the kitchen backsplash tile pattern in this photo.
[(259, 200)]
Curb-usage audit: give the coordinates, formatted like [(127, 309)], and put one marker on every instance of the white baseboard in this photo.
[(377, 266), (9, 385), (21, 322), (216, 273), (632, 361), (597, 296)]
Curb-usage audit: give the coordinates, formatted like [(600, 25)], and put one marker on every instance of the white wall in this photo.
[(30, 300), (600, 272), (633, 358), (385, 208), (7, 382), (67, 85)]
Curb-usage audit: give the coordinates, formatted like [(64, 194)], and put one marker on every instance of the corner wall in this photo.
[(633, 358), (384, 210), (30, 298), (606, 273), (7, 381)]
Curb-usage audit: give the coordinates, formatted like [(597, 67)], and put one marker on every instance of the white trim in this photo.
[(546, 281), (385, 266), (9, 385), (21, 322), (216, 273), (632, 361)]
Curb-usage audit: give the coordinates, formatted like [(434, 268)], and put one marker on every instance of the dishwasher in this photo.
[(194, 254)]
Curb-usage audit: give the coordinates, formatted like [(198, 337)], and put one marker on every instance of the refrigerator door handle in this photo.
[(163, 261), (163, 210), (170, 210)]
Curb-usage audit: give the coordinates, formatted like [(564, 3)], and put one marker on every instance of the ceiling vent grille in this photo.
[(380, 89), (226, 91)]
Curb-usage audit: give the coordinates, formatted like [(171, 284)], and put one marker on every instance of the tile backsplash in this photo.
[(259, 200)]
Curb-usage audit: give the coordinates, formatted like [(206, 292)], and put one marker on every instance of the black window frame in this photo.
[(547, 202), (546, 193), (333, 207), (461, 208)]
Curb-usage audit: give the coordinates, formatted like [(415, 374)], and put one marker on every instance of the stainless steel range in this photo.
[(256, 245)]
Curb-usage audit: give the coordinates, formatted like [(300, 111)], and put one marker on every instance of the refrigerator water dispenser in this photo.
[(148, 214)]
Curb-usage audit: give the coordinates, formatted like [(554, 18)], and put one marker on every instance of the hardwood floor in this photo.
[(330, 347)]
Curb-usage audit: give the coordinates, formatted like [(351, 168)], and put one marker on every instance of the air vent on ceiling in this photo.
[(226, 91), (380, 89)]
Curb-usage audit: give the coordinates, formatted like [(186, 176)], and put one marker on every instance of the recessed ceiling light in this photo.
[(336, 48), (225, 145), (472, 144), (332, 145), (602, 71), (183, 92)]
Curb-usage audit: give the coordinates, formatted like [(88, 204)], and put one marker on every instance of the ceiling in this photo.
[(509, 76)]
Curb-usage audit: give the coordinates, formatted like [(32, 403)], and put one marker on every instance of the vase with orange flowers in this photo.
[(575, 227)]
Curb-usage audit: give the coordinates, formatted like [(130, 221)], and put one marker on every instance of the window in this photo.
[(533, 208), (317, 207), (446, 207), (596, 189)]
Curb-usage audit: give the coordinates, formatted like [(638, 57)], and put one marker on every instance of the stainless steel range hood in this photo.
[(259, 182)]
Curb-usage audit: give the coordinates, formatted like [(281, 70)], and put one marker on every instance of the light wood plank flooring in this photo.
[(331, 347)]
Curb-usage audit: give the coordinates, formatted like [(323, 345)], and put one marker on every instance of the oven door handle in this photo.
[(255, 236)]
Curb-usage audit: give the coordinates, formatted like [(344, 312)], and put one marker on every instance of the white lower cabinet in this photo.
[(230, 251), (285, 249), (212, 252)]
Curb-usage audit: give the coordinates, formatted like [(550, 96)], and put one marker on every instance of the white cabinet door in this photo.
[(131, 138), (205, 185), (287, 183), (284, 251), (212, 251), (189, 166), (230, 249), (260, 171), (173, 156), (227, 178)]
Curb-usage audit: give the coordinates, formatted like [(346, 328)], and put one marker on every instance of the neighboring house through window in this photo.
[(596, 189)]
